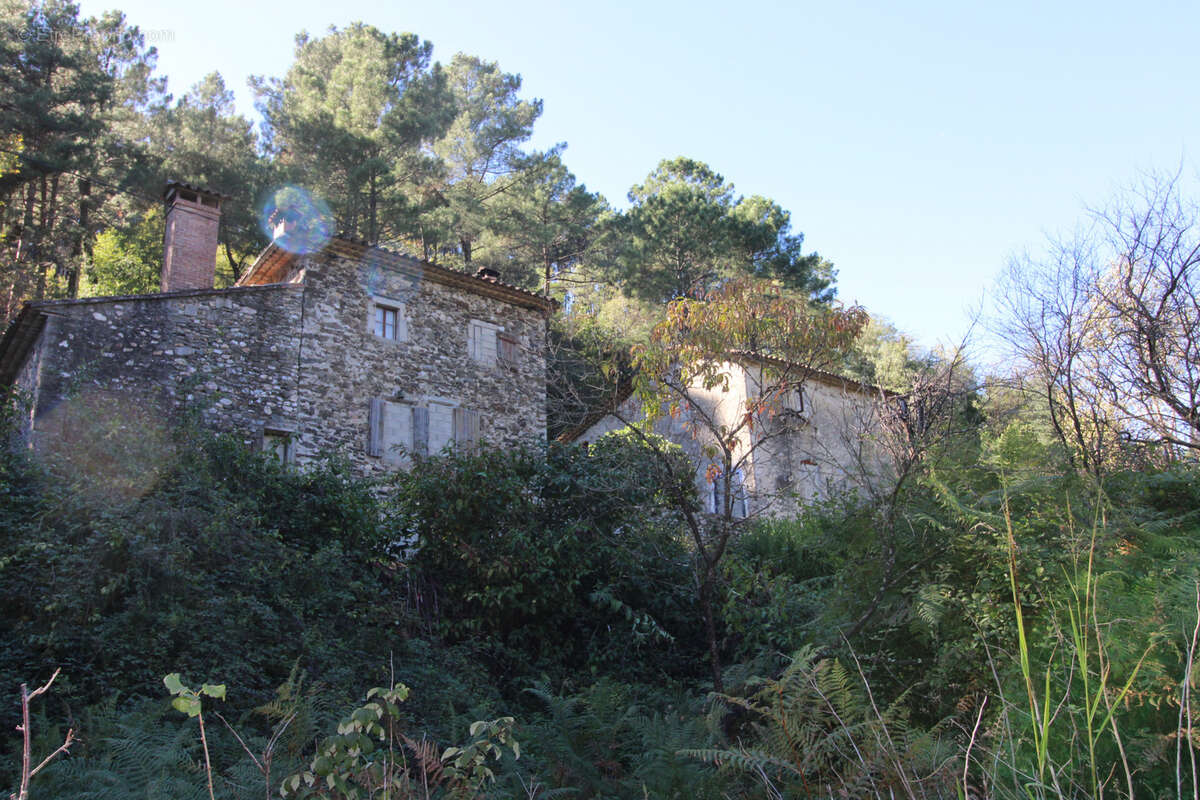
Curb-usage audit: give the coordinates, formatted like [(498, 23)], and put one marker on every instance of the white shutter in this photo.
[(481, 341)]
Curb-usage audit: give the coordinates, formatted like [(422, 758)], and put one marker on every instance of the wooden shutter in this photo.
[(475, 341), (375, 423), (420, 431), (466, 427), (507, 348)]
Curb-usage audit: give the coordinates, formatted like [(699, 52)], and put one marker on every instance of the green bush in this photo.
[(228, 564), (557, 560)]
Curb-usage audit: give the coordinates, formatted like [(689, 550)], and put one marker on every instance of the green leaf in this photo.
[(214, 690), (187, 705), (173, 684)]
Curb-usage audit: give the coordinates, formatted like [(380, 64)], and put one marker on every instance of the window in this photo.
[(508, 347), (385, 322), (279, 444), (386, 319), (391, 425), (737, 487), (481, 341), (399, 430)]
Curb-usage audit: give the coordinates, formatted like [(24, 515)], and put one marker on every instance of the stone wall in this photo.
[(229, 355), (302, 364), (345, 365), (831, 451)]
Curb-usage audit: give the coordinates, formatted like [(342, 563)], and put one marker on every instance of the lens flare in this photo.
[(296, 220), (378, 281), (372, 277)]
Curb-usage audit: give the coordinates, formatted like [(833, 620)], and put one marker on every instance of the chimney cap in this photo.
[(173, 187)]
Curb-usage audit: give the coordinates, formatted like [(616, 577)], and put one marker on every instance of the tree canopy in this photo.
[(687, 230)]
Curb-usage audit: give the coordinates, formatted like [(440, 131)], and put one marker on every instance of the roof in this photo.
[(272, 265), (620, 394), (19, 337), (625, 390), (25, 328), (267, 272), (824, 376)]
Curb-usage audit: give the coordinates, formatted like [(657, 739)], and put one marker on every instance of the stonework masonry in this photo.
[(228, 355), (344, 365), (295, 353)]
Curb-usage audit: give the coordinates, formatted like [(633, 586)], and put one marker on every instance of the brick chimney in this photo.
[(190, 243)]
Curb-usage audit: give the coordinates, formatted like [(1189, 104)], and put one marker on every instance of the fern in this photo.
[(814, 729), (138, 754)]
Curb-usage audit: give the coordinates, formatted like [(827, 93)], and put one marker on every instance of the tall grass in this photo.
[(1062, 736)]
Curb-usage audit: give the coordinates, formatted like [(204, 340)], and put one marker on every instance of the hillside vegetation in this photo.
[(867, 652), (1013, 613)]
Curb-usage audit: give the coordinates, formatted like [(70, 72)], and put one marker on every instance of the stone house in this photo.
[(818, 442), (348, 349)]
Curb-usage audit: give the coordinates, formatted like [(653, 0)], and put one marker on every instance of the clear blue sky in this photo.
[(917, 147)]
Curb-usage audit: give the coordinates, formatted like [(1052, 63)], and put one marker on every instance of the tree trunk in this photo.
[(81, 251), (40, 293), (23, 243), (372, 211), (710, 627)]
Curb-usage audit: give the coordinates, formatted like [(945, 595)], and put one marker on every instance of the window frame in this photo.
[(270, 439), (377, 304), (386, 319)]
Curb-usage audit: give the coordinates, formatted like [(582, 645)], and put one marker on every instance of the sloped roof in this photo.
[(824, 376), (19, 337), (272, 264)]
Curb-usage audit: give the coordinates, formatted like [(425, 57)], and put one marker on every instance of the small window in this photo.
[(279, 444), (385, 322), (397, 429), (507, 350), (440, 428), (386, 319), (481, 341)]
